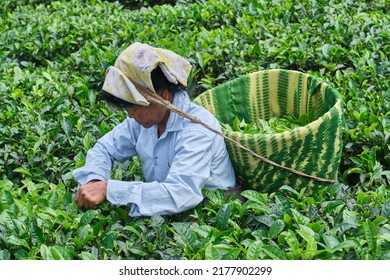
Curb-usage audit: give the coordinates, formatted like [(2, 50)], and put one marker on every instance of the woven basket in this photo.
[(313, 149)]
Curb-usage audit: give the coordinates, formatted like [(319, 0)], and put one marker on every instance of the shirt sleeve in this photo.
[(182, 188), (116, 145)]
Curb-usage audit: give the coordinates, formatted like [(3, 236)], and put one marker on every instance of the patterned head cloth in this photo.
[(136, 63)]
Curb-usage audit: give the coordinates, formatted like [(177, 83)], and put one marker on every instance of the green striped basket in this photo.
[(313, 149)]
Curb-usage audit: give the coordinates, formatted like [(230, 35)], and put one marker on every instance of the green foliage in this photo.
[(137, 4), (273, 125), (53, 58)]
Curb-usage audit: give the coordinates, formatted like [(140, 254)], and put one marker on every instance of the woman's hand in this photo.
[(90, 195)]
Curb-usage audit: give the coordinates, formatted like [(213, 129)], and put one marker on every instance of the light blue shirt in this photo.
[(177, 166)]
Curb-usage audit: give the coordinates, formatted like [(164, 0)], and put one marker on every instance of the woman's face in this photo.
[(147, 116), (153, 114)]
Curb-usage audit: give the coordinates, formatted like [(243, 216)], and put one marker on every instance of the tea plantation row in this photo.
[(53, 58)]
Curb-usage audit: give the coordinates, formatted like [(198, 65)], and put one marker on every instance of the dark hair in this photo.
[(113, 101), (159, 81)]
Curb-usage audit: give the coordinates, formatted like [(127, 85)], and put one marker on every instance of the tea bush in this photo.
[(53, 58)]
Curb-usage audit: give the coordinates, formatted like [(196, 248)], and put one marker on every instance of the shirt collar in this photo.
[(181, 100)]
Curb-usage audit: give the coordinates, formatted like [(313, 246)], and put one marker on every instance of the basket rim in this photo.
[(339, 101), (308, 125)]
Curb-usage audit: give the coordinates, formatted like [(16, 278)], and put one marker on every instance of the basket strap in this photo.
[(155, 98)]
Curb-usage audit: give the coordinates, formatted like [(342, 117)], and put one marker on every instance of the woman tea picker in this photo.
[(179, 157)]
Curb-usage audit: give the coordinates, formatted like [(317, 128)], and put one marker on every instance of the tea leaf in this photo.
[(283, 204), (66, 126), (23, 170), (6, 199), (332, 205), (330, 241), (186, 236), (138, 250), (87, 217), (299, 218), (290, 190), (46, 253), (5, 255), (253, 196), (292, 241), (87, 141), (36, 233), (385, 212), (350, 218), (223, 216), (5, 184), (87, 256), (254, 250), (232, 254), (211, 253), (351, 243), (108, 240), (276, 228), (311, 249), (60, 253), (274, 252), (371, 233), (18, 241)]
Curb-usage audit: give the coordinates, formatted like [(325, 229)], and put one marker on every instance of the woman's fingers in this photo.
[(91, 195)]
